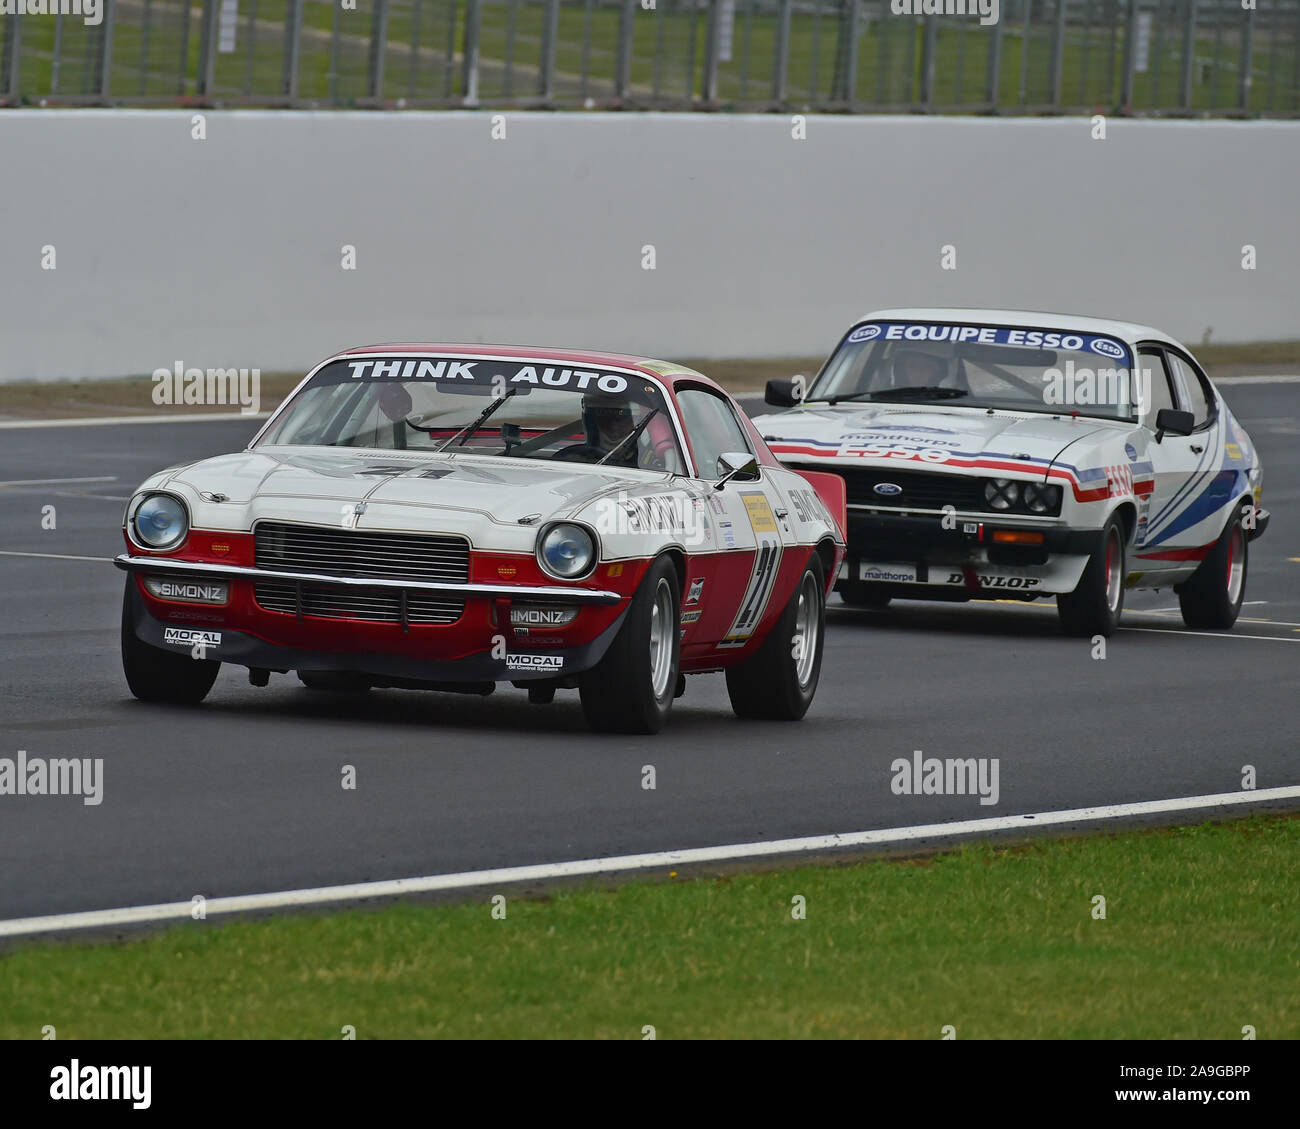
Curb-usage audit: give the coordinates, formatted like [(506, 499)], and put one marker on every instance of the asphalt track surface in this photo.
[(242, 795)]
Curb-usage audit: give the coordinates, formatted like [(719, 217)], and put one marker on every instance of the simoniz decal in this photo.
[(540, 376)]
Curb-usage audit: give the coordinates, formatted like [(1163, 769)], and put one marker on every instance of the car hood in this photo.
[(460, 493), (939, 439)]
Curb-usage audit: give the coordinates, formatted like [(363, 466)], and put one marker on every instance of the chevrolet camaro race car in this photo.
[(448, 517), (998, 454)]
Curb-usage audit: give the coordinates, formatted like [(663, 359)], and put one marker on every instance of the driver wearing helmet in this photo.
[(918, 368), (607, 421)]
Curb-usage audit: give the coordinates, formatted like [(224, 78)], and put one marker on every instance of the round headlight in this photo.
[(160, 522), (1042, 498), (1001, 493), (567, 551)]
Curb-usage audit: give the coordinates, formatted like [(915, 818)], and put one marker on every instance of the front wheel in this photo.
[(777, 682), (1211, 597), (631, 689), (1094, 607), (155, 675)]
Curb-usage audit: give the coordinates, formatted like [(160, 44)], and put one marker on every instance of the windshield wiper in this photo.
[(469, 429), (925, 391), (835, 399), (631, 437)]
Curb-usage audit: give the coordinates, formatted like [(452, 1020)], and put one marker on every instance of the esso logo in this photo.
[(1119, 481), (889, 451), (865, 333), (1106, 348)]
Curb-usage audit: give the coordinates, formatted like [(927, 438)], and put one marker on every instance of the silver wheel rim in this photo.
[(661, 639), (1236, 563), (1114, 570), (807, 627)]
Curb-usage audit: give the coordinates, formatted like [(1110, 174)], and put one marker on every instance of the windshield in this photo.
[(982, 366), (484, 407)]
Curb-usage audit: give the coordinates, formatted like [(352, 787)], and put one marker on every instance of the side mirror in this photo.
[(781, 394), (735, 464), (1174, 422)]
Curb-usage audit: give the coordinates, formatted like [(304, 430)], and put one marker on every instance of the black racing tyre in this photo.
[(777, 682), (155, 675), (1211, 597), (863, 594), (1095, 605), (334, 681), (631, 689)]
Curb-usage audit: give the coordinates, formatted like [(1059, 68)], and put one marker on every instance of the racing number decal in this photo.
[(767, 557)]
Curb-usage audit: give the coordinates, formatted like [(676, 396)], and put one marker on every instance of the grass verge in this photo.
[(1200, 938)]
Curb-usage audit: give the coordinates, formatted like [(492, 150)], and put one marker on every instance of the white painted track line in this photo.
[(323, 895), (1210, 634), (108, 421), (54, 556), (56, 481)]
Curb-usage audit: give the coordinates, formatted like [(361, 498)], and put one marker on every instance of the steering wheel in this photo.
[(578, 453)]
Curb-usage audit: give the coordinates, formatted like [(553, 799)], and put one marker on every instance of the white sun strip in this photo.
[(582, 868)]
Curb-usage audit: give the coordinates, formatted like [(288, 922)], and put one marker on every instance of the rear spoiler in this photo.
[(833, 493)]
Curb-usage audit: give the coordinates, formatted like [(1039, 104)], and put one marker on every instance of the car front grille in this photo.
[(359, 554), (321, 601), (920, 490)]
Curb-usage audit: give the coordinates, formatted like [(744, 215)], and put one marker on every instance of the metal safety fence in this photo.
[(1187, 57)]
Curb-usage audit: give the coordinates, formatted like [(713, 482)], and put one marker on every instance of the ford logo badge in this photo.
[(889, 488)]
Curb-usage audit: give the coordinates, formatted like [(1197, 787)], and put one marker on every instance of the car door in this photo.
[(746, 563), (1166, 541)]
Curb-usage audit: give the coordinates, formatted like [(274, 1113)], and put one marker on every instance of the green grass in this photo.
[(424, 41), (1201, 937)]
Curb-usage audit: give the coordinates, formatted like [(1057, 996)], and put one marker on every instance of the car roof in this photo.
[(588, 357), (1028, 319)]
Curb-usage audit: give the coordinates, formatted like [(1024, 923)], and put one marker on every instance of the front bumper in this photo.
[(964, 561), (481, 646)]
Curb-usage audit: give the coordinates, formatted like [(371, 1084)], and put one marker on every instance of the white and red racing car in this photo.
[(995, 454), (449, 517)]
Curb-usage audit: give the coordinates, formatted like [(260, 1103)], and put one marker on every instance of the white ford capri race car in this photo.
[(995, 454), (448, 517)]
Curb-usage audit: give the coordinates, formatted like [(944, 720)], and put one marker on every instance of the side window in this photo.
[(711, 428), (1199, 401), (1158, 395)]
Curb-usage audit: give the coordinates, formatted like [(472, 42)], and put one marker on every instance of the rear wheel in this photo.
[(631, 689), (1095, 605), (778, 681), (154, 675), (1211, 597)]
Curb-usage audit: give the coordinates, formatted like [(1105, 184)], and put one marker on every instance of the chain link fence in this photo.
[(1036, 56)]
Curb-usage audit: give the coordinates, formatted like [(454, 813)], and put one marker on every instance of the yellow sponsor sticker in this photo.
[(1234, 451), (760, 513)]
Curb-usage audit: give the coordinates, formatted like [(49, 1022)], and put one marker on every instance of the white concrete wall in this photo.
[(226, 252)]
